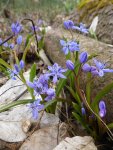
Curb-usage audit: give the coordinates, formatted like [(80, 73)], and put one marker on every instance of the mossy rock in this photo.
[(88, 9)]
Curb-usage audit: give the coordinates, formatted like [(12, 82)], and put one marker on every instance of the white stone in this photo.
[(43, 139), (14, 92), (77, 143)]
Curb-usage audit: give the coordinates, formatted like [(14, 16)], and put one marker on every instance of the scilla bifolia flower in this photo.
[(83, 57), (68, 24), (56, 72), (36, 107), (83, 111), (69, 46), (16, 28), (19, 40), (101, 68), (11, 46), (86, 68), (17, 69), (69, 65), (102, 109)]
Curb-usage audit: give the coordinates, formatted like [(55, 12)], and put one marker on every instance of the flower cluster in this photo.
[(16, 28), (41, 85), (69, 46), (98, 70), (17, 69), (69, 24)]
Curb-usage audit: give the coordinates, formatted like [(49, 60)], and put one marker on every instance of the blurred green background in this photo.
[(46, 8)]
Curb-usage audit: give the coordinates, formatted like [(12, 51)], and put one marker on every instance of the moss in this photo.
[(90, 8)]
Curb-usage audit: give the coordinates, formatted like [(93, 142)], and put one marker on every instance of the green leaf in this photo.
[(74, 94), (28, 39), (10, 105), (2, 62), (110, 125), (100, 95), (92, 56), (62, 83), (32, 72), (78, 118), (77, 108)]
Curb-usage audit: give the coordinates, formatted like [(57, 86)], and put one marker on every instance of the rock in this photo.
[(48, 120), (43, 139), (12, 123), (12, 90), (104, 29), (105, 52), (77, 143)]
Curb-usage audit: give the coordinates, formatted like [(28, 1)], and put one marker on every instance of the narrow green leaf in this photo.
[(32, 72), (28, 39), (62, 83), (110, 125), (19, 102), (74, 94), (78, 118), (2, 62), (100, 95), (77, 108)]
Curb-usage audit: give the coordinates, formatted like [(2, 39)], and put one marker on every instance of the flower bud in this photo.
[(83, 57), (19, 40), (83, 111), (22, 64), (86, 68), (11, 46), (102, 108), (69, 65), (68, 24)]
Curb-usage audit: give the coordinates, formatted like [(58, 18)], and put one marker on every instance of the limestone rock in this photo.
[(43, 139), (77, 143), (12, 89)]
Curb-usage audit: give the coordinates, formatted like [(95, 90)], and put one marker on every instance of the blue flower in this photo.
[(68, 24), (11, 46), (56, 72), (40, 86), (69, 46), (86, 68), (102, 109), (83, 111), (69, 65), (16, 28), (1, 41), (16, 70), (101, 68), (51, 94), (5, 44), (19, 40), (83, 57), (36, 28), (81, 28), (22, 64), (36, 107)]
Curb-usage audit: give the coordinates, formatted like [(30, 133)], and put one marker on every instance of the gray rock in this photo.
[(43, 139), (77, 143)]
